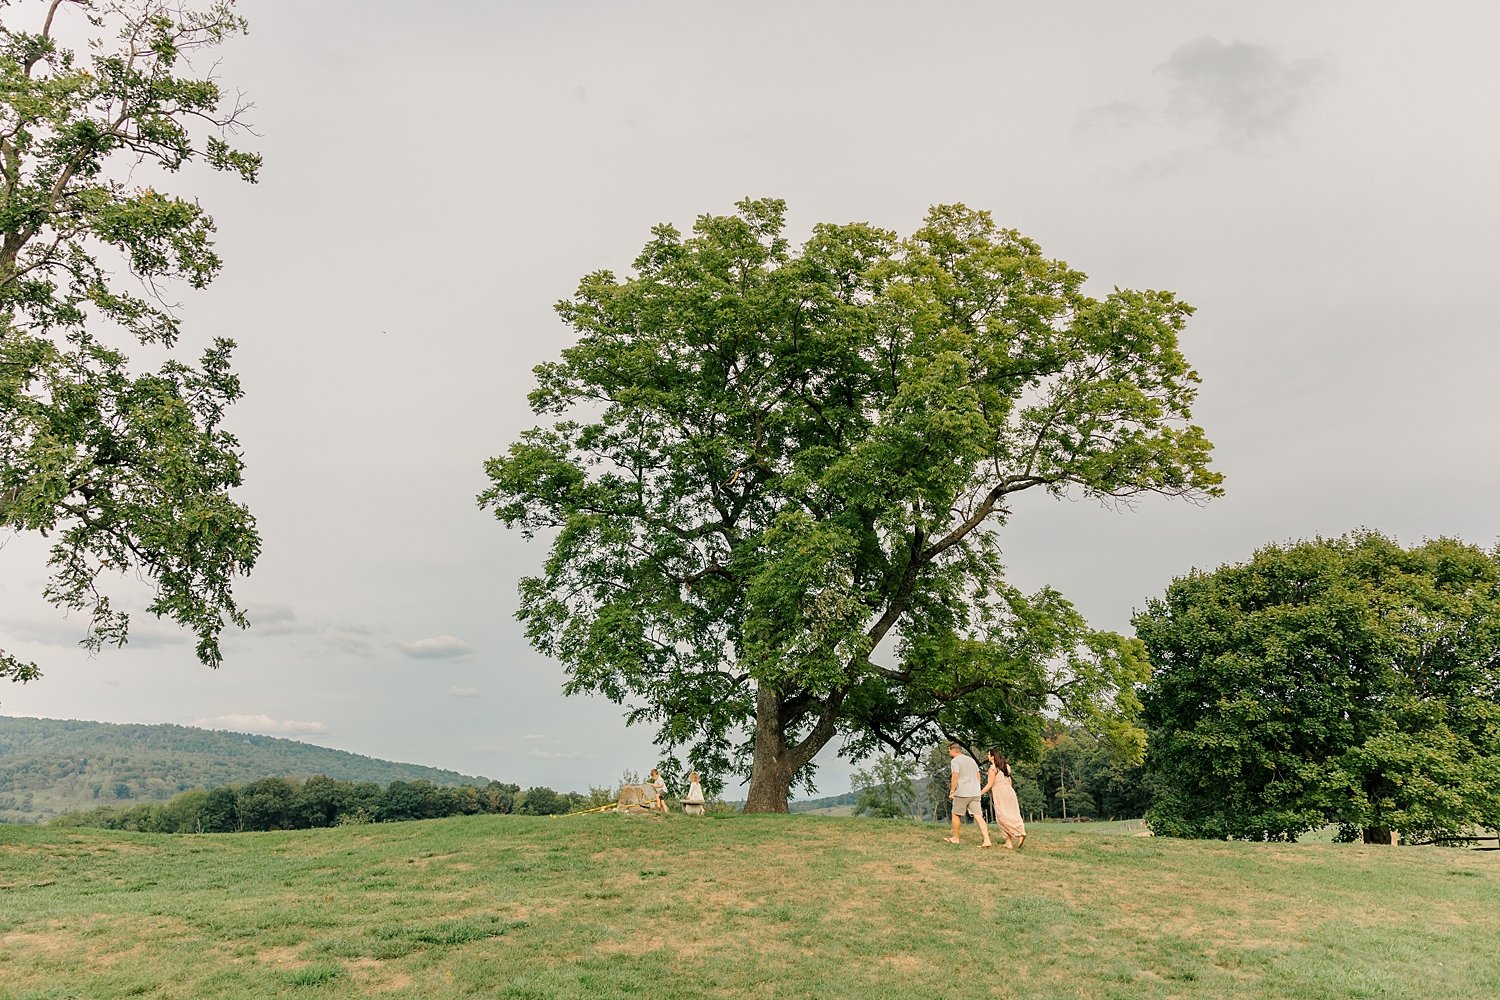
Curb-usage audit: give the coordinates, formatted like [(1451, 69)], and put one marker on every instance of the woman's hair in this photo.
[(692, 775), (1001, 762)]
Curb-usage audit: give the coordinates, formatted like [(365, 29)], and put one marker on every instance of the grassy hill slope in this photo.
[(610, 906), (51, 766)]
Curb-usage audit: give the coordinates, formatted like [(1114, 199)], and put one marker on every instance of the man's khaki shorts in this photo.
[(967, 804)]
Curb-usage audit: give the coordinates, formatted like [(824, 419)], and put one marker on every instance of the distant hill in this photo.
[(49, 766), (832, 805)]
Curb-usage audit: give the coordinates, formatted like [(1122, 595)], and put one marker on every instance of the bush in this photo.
[(542, 801)]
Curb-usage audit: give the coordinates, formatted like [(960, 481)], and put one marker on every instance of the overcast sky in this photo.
[(1317, 178)]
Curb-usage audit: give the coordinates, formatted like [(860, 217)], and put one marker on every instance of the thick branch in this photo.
[(1011, 484)]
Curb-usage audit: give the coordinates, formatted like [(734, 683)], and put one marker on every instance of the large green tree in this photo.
[(127, 471), (773, 478), (1345, 681)]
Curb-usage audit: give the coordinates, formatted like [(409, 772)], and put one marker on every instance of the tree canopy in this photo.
[(772, 481), (1345, 681), (126, 471)]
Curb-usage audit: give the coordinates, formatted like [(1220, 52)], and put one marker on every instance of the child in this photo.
[(657, 783), (693, 804)]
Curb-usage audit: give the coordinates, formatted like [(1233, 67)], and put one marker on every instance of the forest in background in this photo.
[(49, 767), (52, 767)]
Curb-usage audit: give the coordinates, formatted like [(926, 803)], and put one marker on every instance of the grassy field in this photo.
[(733, 906)]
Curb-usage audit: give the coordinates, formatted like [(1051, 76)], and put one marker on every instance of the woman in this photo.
[(1003, 795)]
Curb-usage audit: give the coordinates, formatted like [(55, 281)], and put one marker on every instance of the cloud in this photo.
[(492, 748), (1207, 98), (70, 631), (275, 619), (458, 692), (1113, 116), (261, 724), (350, 641), (1249, 90), (441, 647), (43, 633), (282, 620), (557, 755), (533, 738), (153, 638)]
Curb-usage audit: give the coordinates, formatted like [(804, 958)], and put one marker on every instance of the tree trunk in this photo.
[(770, 788), (775, 764)]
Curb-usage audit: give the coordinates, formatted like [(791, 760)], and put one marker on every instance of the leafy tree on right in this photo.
[(1345, 681)]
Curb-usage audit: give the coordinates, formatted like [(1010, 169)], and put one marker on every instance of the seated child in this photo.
[(693, 803)]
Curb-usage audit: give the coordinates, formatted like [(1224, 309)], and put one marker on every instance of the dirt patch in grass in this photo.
[(865, 908), (714, 903), (281, 958), (376, 975), (112, 939), (426, 861), (529, 912), (39, 942), (95, 943), (905, 965), (105, 959), (647, 941), (626, 857)]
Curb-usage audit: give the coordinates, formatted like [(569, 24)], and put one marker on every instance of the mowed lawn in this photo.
[(733, 906)]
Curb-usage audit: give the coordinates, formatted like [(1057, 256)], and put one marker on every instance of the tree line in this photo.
[(288, 804), (49, 767)]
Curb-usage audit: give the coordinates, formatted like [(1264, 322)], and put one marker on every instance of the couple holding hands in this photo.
[(965, 790)]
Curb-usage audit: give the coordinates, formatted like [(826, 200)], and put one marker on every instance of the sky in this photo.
[(1316, 178)]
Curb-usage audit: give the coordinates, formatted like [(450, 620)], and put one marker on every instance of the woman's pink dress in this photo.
[(1007, 809)]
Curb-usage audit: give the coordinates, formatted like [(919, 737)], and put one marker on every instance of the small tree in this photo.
[(1345, 681), (1029, 794), (320, 802), (773, 483), (402, 800), (1084, 777), (184, 813), (888, 789), (125, 472), (500, 797), (221, 810), (935, 781), (598, 796), (267, 804), (541, 801)]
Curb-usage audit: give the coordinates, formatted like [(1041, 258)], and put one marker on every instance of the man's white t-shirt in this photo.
[(968, 775)]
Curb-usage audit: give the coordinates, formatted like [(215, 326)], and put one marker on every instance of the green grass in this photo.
[(734, 906), (1130, 827)]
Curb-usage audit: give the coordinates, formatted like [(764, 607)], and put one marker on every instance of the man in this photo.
[(963, 789)]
